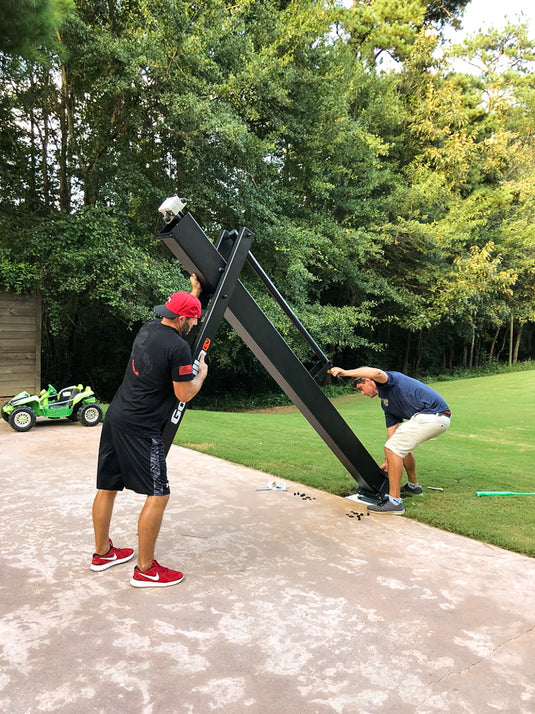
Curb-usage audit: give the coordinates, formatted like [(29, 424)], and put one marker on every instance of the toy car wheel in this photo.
[(22, 419), (90, 414)]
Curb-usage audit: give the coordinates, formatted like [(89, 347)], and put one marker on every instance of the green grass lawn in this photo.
[(490, 446)]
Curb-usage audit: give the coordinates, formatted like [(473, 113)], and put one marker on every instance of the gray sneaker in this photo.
[(386, 506), (407, 490)]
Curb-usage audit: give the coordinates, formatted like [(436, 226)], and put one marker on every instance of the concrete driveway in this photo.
[(288, 605)]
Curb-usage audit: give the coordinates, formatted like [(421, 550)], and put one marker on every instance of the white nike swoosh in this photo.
[(113, 557), (151, 577)]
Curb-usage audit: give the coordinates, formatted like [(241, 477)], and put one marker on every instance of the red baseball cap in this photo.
[(180, 304)]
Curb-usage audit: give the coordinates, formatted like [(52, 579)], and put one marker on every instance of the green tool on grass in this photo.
[(503, 493)]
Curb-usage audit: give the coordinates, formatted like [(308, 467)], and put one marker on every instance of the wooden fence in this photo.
[(20, 344)]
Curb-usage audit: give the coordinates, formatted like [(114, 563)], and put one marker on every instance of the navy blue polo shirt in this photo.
[(402, 397)]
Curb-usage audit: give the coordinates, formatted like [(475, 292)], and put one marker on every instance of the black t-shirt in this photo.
[(146, 396)]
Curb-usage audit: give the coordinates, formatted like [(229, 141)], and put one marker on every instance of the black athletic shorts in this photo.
[(131, 461)]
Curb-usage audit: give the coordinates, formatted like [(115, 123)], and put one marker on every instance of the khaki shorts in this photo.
[(415, 431)]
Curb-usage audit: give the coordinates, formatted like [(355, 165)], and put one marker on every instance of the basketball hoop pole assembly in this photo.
[(218, 267)]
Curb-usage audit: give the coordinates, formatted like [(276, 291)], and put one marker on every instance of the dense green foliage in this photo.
[(391, 195), (28, 26)]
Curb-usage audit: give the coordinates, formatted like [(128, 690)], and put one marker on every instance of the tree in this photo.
[(380, 194), (26, 26)]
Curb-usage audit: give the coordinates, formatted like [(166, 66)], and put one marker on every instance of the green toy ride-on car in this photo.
[(74, 403)]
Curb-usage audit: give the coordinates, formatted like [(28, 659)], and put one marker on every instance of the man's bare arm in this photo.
[(365, 372), (185, 391)]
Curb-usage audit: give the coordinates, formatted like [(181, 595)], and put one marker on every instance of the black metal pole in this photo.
[(255, 265)]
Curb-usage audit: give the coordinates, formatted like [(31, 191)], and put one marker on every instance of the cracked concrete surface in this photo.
[(287, 605)]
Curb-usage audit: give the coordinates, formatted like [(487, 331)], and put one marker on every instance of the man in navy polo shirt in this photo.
[(414, 413)]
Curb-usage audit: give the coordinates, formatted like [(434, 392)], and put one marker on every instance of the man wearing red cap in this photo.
[(132, 453)]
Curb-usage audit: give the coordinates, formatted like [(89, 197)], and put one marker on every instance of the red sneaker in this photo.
[(114, 556), (155, 577)]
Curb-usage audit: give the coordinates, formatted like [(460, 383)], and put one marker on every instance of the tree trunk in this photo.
[(419, 352), (32, 182), (511, 335), (64, 190), (504, 342), (493, 345), (517, 342), (45, 160), (405, 366), (472, 343)]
